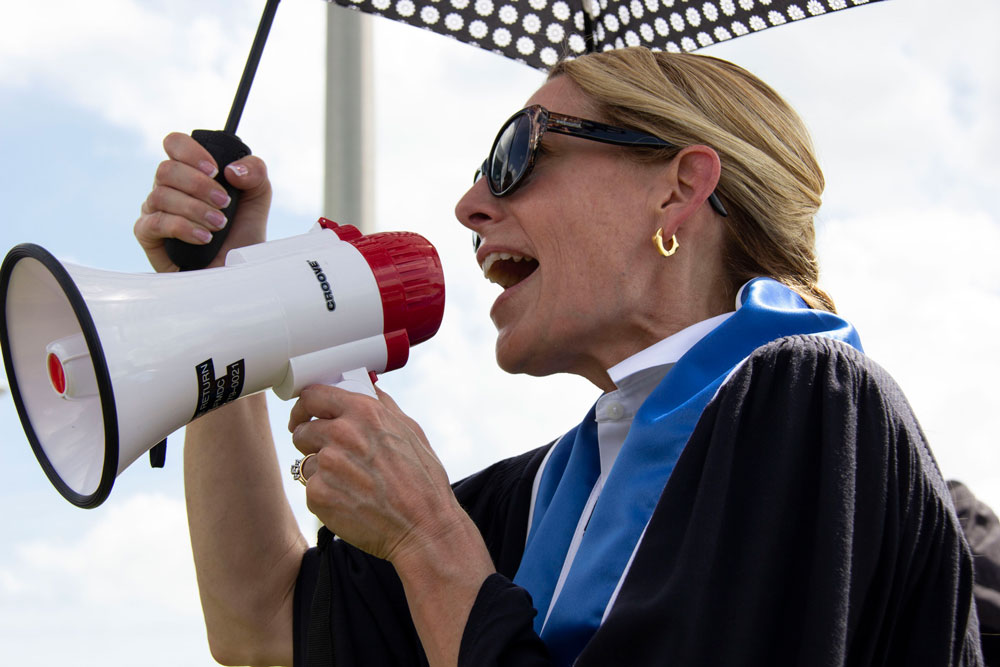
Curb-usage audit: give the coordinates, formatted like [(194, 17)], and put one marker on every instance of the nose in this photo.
[(477, 207)]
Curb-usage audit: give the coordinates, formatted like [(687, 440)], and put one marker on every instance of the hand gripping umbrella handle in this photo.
[(225, 147)]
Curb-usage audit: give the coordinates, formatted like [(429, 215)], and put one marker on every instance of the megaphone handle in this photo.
[(225, 147)]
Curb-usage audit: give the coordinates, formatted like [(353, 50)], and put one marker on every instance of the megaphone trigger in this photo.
[(103, 366), (357, 380)]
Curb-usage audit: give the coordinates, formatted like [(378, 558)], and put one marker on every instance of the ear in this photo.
[(690, 178)]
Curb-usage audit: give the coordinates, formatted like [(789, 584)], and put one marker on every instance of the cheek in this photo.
[(588, 298), (607, 227), (587, 272), (590, 243)]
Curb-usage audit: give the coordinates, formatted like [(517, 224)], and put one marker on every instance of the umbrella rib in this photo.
[(588, 30)]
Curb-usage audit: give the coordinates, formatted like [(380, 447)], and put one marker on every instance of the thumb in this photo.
[(248, 173)]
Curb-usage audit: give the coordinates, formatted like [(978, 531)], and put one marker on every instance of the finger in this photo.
[(174, 202), (344, 435), (325, 401), (151, 230), (190, 181), (390, 403), (313, 436), (315, 402), (183, 148), (248, 173), (386, 399), (309, 467)]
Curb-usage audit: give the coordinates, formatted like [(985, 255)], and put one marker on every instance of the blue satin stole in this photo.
[(768, 310)]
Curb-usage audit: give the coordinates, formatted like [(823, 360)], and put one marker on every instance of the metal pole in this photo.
[(348, 195)]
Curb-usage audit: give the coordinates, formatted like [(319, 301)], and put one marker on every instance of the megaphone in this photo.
[(103, 366)]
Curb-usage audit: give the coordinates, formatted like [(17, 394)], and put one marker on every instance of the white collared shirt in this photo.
[(634, 379)]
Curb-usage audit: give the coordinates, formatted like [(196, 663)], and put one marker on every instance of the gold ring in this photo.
[(297, 469)]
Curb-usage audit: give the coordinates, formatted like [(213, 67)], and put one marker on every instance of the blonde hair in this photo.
[(771, 183)]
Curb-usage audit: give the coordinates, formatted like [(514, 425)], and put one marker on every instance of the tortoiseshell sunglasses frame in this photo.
[(542, 120)]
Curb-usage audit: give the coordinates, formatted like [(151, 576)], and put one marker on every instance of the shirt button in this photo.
[(616, 411)]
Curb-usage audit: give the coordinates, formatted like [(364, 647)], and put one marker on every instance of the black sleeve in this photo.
[(305, 586), (500, 628), (500, 631), (805, 523), (350, 609), (356, 613)]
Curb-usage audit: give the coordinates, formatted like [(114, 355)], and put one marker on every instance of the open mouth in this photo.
[(506, 269)]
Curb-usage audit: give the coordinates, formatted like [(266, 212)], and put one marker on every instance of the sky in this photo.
[(900, 96)]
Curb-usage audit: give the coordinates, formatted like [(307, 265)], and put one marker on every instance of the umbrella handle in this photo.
[(225, 147)]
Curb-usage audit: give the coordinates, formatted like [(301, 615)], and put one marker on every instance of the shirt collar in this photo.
[(666, 351)]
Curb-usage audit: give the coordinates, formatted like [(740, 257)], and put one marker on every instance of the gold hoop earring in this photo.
[(658, 242)]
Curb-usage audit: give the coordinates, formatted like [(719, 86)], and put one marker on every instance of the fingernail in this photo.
[(219, 198), (208, 168), (202, 235), (238, 169), (215, 219)]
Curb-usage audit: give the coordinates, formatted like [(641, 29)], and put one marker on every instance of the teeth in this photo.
[(494, 256), (506, 275)]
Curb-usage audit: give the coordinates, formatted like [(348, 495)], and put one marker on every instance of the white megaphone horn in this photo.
[(103, 366)]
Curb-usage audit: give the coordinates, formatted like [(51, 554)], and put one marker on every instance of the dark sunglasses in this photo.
[(513, 153)]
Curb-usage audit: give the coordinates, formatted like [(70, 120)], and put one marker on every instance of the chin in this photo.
[(510, 358), (506, 362), (521, 360)]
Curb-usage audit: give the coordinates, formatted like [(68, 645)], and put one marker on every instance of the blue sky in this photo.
[(901, 98)]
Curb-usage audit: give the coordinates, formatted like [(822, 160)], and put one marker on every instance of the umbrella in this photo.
[(540, 32), (535, 32)]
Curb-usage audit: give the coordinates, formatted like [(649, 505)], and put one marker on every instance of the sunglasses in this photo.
[(513, 153)]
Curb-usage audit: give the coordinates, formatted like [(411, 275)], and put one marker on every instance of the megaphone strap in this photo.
[(158, 454)]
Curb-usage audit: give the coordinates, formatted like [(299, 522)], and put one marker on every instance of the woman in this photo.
[(749, 490)]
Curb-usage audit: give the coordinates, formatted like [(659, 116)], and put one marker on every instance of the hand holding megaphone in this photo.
[(103, 366)]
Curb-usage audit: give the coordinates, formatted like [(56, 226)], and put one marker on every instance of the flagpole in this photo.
[(348, 183)]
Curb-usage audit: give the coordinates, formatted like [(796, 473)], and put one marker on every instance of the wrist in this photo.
[(442, 576), (453, 546)]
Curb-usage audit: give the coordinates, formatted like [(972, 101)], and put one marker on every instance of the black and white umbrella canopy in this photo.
[(540, 32)]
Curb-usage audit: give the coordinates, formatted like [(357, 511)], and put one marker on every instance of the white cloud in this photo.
[(923, 288), (121, 592), (142, 64), (900, 101), (156, 67), (137, 554)]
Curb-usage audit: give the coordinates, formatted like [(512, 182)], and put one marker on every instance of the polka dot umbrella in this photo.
[(540, 32)]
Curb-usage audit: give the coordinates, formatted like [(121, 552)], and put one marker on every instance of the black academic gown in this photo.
[(805, 523)]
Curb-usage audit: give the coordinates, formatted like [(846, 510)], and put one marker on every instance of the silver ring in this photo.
[(297, 466)]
